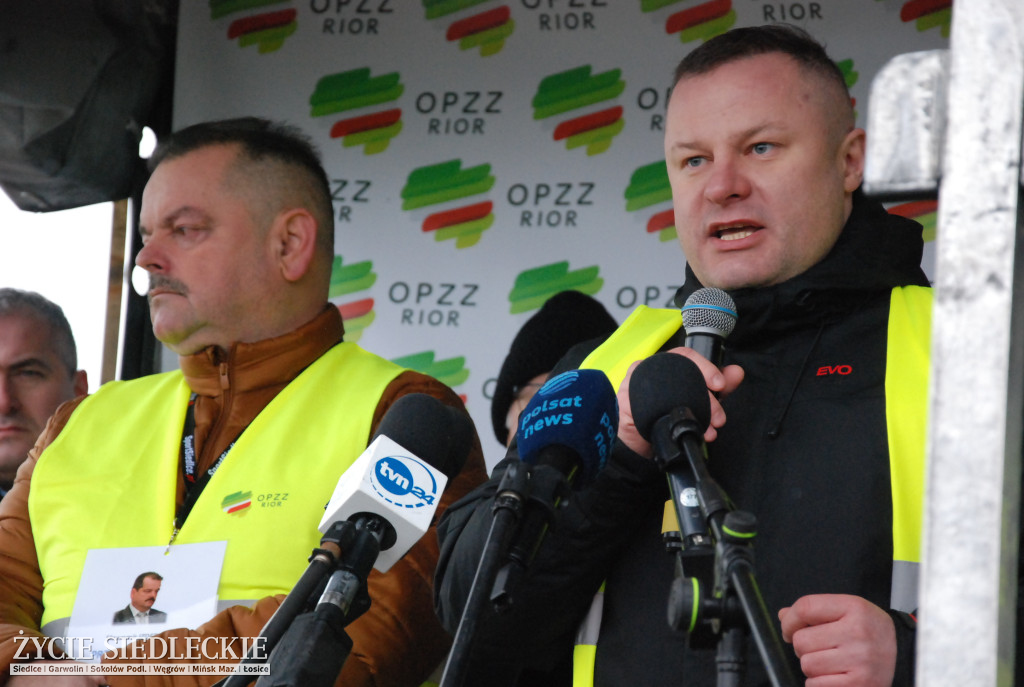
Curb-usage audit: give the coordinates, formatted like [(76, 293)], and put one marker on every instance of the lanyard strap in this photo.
[(194, 485)]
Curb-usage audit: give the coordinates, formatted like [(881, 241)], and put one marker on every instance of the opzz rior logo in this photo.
[(404, 482), (575, 91)]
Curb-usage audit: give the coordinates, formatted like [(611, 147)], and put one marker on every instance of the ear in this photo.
[(81, 383), (293, 237), (852, 151)]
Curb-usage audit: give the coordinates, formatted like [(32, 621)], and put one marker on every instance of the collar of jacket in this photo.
[(263, 364), (875, 252)]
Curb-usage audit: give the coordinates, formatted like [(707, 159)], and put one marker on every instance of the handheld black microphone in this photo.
[(668, 389), (671, 409), (709, 315)]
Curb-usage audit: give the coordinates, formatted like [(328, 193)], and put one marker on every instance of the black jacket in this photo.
[(805, 451)]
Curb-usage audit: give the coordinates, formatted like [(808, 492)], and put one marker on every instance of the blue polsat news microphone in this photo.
[(570, 424), (565, 434)]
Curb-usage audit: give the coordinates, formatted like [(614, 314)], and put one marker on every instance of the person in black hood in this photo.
[(824, 439), (565, 319)]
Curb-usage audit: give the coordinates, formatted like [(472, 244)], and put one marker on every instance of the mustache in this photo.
[(165, 283)]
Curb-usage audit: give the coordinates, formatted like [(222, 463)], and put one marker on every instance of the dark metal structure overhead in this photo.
[(79, 79)]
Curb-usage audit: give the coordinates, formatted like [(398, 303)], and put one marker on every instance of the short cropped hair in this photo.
[(18, 302), (141, 579), (260, 141), (759, 40)]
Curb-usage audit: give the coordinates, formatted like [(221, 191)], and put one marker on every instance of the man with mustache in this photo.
[(824, 385), (38, 372), (143, 595), (238, 233)]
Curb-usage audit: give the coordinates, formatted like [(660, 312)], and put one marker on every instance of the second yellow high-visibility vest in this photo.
[(908, 359)]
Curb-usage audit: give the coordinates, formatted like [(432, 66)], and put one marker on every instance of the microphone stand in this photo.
[(736, 606), (505, 514), (313, 645), (547, 488)]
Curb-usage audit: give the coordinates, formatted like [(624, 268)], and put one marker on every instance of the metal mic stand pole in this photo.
[(507, 509), (678, 437), (316, 646), (548, 487), (322, 562)]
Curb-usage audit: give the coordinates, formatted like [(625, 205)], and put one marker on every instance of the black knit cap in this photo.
[(566, 319)]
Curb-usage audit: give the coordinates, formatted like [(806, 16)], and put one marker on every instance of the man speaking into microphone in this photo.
[(816, 413)]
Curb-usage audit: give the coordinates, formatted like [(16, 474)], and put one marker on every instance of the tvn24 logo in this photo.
[(404, 482)]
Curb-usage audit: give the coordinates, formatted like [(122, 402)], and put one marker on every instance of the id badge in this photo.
[(131, 593)]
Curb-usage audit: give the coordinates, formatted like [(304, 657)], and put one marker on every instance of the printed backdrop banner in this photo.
[(485, 154)]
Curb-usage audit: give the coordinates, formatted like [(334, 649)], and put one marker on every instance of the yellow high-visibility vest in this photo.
[(109, 479)]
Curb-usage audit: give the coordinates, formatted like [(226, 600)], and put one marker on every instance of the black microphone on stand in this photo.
[(671, 409), (667, 394), (420, 443), (391, 491), (382, 505), (564, 436), (565, 433)]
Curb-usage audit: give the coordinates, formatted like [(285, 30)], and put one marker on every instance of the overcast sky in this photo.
[(65, 256)]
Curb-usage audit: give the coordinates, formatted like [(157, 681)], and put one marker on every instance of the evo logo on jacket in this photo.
[(827, 370)]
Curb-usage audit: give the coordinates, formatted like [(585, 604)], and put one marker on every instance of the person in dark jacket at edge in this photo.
[(824, 382)]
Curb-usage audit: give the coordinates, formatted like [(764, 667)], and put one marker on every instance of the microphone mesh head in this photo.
[(709, 310)]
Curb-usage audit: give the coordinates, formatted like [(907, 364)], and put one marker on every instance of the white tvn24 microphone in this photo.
[(400, 477)]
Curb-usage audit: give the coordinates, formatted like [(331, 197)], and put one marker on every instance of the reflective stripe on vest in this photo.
[(584, 654), (110, 477), (906, 397), (907, 367)]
